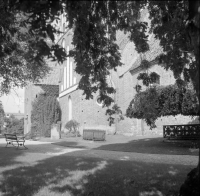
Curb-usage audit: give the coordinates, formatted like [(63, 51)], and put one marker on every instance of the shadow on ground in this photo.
[(69, 144), (153, 146), (73, 174), (147, 146), (8, 156)]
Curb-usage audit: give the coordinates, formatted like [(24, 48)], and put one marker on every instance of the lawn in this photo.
[(143, 144), (42, 171)]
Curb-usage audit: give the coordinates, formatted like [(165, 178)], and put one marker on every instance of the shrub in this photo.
[(14, 125), (73, 126), (159, 101)]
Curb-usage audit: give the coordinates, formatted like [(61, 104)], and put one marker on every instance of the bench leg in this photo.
[(10, 143), (21, 144), (6, 144)]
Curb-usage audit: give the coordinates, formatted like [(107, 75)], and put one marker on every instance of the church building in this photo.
[(89, 113)]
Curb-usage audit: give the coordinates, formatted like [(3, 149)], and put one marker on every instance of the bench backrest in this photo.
[(11, 136)]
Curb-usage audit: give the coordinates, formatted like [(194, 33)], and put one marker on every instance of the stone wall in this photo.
[(86, 112), (126, 93)]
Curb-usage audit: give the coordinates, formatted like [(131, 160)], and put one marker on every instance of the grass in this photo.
[(146, 145), (89, 172), (153, 146)]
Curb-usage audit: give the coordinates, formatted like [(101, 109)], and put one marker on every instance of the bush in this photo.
[(14, 125), (159, 101), (73, 127)]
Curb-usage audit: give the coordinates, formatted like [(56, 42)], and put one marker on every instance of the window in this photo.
[(74, 80), (64, 28), (70, 108), (68, 68), (71, 72), (61, 22), (155, 78), (65, 75), (99, 102), (63, 43)]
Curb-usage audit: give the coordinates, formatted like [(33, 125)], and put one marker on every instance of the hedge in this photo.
[(158, 101)]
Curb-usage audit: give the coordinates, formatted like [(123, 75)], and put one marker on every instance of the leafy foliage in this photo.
[(95, 24), (115, 114), (145, 64), (176, 25), (20, 60), (14, 125), (161, 101), (46, 111), (138, 88), (72, 126), (148, 79)]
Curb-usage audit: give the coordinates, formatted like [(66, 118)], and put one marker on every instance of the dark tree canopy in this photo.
[(95, 23), (19, 60)]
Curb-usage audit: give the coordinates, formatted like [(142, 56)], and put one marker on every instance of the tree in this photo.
[(23, 54), (14, 125), (94, 23), (158, 101)]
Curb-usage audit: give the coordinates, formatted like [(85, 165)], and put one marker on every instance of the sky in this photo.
[(14, 102)]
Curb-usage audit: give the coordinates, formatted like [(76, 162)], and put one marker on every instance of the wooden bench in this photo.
[(182, 132), (14, 139), (94, 134)]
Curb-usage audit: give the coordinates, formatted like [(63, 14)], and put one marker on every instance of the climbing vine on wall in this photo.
[(45, 112), (159, 101)]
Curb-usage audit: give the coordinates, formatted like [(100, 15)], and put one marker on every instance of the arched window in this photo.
[(99, 102), (61, 22), (63, 43), (68, 69), (70, 74), (69, 108), (64, 28), (154, 79)]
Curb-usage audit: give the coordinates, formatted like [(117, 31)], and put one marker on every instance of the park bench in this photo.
[(182, 132), (14, 139), (94, 134)]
